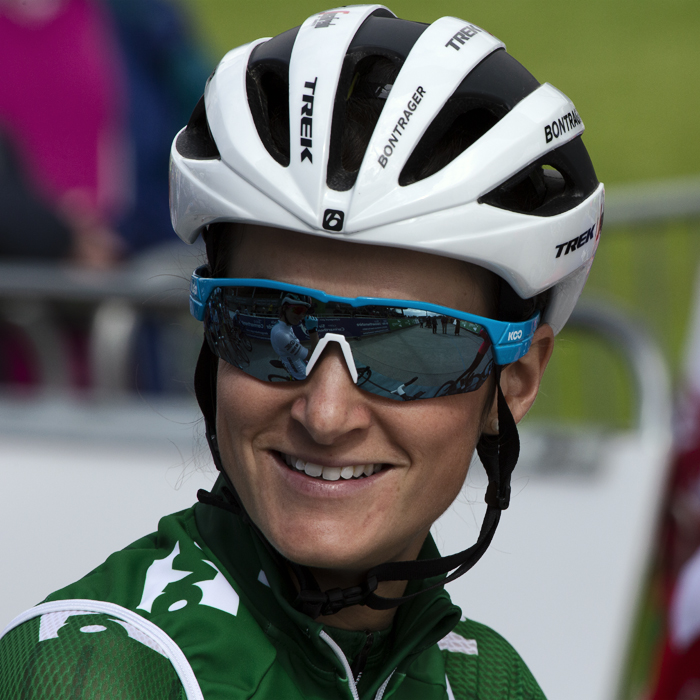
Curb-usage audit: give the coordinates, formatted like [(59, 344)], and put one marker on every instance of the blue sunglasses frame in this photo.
[(510, 341)]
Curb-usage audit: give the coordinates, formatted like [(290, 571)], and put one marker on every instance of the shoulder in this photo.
[(120, 578), (481, 665), (84, 656), (95, 638), (280, 332)]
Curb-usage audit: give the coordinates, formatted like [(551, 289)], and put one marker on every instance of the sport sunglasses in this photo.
[(399, 349)]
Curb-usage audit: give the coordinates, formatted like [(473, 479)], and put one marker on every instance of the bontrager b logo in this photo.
[(333, 220)]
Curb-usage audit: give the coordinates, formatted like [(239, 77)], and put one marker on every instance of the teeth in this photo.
[(313, 469), (331, 473)]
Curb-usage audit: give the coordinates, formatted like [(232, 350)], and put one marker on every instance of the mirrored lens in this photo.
[(399, 352)]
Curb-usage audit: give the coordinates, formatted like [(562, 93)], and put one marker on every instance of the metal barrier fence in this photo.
[(110, 309)]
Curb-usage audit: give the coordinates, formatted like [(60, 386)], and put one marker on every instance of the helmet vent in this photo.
[(484, 97), (267, 85), (557, 182), (455, 129), (355, 120), (374, 58), (268, 97), (195, 140)]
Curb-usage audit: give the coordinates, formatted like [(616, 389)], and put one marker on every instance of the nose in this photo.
[(330, 406)]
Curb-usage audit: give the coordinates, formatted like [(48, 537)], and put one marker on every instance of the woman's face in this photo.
[(424, 447)]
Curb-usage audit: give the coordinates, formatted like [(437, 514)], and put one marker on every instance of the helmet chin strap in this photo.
[(498, 453)]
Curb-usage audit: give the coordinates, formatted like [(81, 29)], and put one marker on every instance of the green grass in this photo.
[(650, 272), (586, 382), (631, 68)]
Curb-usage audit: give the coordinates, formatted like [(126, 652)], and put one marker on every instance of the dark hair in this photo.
[(220, 247)]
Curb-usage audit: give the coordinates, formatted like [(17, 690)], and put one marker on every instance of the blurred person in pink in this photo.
[(62, 107)]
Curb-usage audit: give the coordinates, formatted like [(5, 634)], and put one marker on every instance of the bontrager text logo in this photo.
[(325, 19), (401, 126), (575, 243), (561, 126), (307, 114), (463, 36)]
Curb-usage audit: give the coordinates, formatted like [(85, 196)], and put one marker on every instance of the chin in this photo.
[(327, 555), (335, 554)]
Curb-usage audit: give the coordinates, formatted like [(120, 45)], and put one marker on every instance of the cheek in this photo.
[(243, 411), (441, 438), (447, 424), (231, 396)]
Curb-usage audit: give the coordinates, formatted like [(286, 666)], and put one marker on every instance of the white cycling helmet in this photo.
[(295, 299), (363, 127), (266, 146)]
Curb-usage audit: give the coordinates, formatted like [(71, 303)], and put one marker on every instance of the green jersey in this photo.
[(200, 610)]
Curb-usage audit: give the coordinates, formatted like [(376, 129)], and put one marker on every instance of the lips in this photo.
[(317, 471)]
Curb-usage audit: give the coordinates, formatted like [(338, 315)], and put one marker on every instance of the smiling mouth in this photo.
[(316, 471)]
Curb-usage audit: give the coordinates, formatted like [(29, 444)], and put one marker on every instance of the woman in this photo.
[(381, 170)]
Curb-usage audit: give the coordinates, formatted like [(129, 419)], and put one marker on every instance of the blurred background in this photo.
[(99, 431)]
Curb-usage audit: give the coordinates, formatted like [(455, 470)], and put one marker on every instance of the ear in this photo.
[(520, 380)]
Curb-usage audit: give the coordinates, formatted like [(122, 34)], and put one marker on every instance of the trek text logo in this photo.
[(559, 127), (333, 220), (307, 113), (576, 243), (463, 36), (401, 125), (515, 335), (325, 19)]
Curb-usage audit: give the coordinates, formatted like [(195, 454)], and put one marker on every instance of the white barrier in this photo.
[(79, 481)]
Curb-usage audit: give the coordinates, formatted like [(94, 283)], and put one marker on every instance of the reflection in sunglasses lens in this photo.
[(399, 352)]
